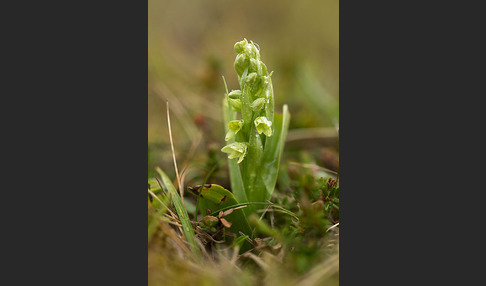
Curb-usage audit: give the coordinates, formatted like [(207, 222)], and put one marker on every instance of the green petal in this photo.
[(235, 125), (236, 150), (242, 157), (233, 128), (263, 125), (229, 135)]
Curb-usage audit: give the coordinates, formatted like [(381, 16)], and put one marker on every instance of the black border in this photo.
[(77, 151), (409, 140)]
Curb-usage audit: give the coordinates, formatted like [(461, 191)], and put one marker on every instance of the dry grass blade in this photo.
[(161, 202), (181, 190), (225, 213), (176, 239), (337, 224), (192, 150), (180, 111)]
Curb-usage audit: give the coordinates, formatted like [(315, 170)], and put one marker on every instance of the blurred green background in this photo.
[(190, 46)]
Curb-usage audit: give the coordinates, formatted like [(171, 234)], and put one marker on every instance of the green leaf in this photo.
[(181, 212), (271, 155), (214, 198)]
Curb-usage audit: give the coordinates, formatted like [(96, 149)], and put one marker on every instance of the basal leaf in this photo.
[(271, 155), (214, 198)]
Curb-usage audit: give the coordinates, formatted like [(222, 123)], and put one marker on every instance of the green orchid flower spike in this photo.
[(255, 133)]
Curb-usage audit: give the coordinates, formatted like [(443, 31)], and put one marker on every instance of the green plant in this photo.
[(256, 136), (256, 139), (181, 213)]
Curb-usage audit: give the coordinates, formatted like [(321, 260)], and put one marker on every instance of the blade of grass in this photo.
[(182, 213), (239, 241), (282, 209), (179, 110)]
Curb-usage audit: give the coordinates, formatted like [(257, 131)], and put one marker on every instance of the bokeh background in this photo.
[(190, 47)]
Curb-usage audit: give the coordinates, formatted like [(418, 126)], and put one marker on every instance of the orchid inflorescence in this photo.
[(255, 135), (254, 100)]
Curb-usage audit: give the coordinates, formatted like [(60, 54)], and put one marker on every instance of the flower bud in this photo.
[(236, 150), (235, 103), (255, 66), (263, 125), (235, 94), (240, 46), (252, 51), (257, 104), (241, 63), (264, 69), (251, 78), (255, 84)]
